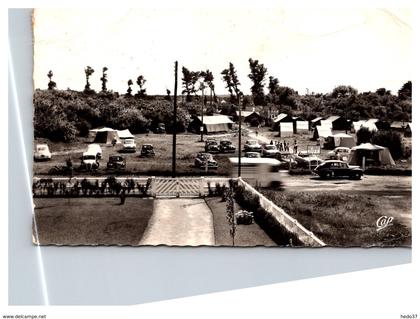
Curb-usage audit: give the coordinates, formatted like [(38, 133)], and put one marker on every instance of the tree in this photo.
[(257, 76), (273, 85), (88, 72), (189, 80), (168, 95), (364, 135), (405, 93), (51, 84), (208, 79), (391, 140), (343, 91), (129, 90), (104, 78), (232, 83), (140, 82)]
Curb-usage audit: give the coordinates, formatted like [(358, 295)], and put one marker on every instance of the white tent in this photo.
[(343, 140), (217, 123), (302, 127), (105, 135), (372, 153), (286, 129), (357, 125), (322, 131), (125, 134), (326, 123)]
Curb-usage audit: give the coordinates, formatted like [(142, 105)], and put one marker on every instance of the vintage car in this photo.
[(211, 146), (252, 146), (129, 145), (89, 161), (116, 162), (335, 168), (226, 146), (42, 152), (244, 217), (288, 161), (270, 151), (252, 155), (339, 153), (204, 160), (147, 150), (95, 149)]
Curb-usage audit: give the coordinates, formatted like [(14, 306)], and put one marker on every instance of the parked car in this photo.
[(89, 161), (160, 129), (307, 160), (339, 153), (287, 161), (42, 152), (116, 162), (252, 146), (147, 150), (211, 146), (95, 149), (129, 145), (335, 168), (252, 155), (226, 146), (204, 160), (270, 151)]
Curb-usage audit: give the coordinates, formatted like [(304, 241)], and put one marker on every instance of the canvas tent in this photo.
[(373, 154), (322, 131), (125, 134), (338, 122), (105, 135), (342, 140), (212, 124), (286, 129), (302, 127), (281, 118)]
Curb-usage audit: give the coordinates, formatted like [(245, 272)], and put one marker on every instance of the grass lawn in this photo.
[(348, 219), (91, 221), (188, 145), (246, 235)]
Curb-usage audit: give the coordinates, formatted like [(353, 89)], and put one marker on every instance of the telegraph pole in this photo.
[(202, 87), (174, 124), (240, 136)]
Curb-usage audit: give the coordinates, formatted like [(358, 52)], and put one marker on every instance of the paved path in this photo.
[(180, 222)]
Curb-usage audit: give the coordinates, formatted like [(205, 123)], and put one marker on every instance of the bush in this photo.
[(391, 140), (364, 135)]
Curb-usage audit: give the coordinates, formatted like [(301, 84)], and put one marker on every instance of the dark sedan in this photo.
[(330, 169)]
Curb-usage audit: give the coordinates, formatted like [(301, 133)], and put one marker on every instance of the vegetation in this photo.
[(346, 219), (64, 115), (391, 140)]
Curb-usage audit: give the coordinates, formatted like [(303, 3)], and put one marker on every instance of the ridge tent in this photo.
[(373, 154), (105, 135), (322, 131), (286, 129), (302, 127), (341, 139), (212, 123), (125, 134)]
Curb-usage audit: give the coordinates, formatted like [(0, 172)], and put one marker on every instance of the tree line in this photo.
[(62, 115)]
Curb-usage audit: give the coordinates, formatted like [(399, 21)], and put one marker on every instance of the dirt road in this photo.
[(180, 222)]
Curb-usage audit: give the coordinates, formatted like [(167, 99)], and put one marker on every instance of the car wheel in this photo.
[(358, 176)]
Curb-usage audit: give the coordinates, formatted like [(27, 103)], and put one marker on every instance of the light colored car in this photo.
[(129, 145), (270, 151), (42, 152), (340, 153), (252, 146), (95, 149), (89, 161), (252, 155)]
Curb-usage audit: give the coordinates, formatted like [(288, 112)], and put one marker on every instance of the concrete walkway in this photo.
[(180, 222)]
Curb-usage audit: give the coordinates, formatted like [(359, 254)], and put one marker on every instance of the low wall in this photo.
[(288, 222)]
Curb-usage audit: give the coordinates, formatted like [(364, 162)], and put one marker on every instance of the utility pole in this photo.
[(174, 124), (202, 87), (240, 136)]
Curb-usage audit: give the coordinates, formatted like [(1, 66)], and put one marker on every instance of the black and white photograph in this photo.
[(228, 127)]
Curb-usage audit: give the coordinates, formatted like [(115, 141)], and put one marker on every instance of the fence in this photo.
[(131, 186), (290, 223)]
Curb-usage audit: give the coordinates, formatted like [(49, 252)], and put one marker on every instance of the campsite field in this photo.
[(188, 145)]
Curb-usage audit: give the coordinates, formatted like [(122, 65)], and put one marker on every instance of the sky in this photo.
[(310, 50)]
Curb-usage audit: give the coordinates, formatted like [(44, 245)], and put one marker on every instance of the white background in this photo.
[(380, 293)]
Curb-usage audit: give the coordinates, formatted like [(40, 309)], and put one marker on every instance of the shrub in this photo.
[(391, 140)]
